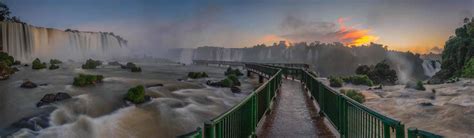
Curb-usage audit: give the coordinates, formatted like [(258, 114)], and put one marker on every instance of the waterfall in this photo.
[(430, 67), (26, 42)]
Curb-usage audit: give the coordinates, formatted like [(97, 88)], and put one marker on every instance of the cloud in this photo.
[(296, 29)]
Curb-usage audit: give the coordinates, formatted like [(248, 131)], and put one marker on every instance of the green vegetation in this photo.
[(132, 67), (234, 79), (37, 64), (226, 82), (468, 69), (85, 79), (457, 54), (358, 80), (378, 74), (136, 94), (136, 69), (91, 64), (5, 71), (419, 86), (53, 67), (354, 95), (7, 59), (231, 71), (55, 61), (335, 82), (197, 75)]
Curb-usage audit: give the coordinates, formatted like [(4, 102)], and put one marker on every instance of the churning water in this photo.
[(178, 107)]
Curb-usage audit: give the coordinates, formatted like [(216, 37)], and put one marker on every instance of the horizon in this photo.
[(416, 26)]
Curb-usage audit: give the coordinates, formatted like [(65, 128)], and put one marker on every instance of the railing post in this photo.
[(400, 131), (260, 79), (209, 130)]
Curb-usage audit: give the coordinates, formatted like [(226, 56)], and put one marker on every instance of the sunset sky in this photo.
[(415, 25)]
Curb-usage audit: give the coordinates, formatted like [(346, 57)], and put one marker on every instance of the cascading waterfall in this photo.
[(431, 67), (26, 42)]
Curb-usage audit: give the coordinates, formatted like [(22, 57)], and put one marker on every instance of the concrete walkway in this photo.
[(293, 115)]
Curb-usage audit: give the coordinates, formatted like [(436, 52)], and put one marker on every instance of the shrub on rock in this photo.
[(358, 80), (419, 86), (37, 64), (335, 82), (85, 79), (231, 71), (136, 69), (197, 75), (381, 73), (136, 94), (53, 67), (9, 60), (55, 61), (5, 71), (234, 79), (226, 82), (132, 66), (354, 95), (91, 64)]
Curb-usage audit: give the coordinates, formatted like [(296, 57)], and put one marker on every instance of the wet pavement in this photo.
[(293, 115)]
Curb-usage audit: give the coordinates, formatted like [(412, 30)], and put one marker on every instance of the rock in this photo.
[(15, 69), (26, 65), (213, 84), (435, 80), (28, 84), (4, 76), (51, 98), (154, 85), (35, 123), (426, 104), (235, 89)]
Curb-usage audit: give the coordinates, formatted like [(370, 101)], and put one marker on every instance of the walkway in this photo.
[(293, 115)]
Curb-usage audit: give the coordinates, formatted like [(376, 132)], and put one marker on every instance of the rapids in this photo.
[(178, 107)]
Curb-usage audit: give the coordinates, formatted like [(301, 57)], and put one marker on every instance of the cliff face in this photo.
[(26, 42), (327, 59)]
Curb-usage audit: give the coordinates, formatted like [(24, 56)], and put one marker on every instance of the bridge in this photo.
[(293, 103)]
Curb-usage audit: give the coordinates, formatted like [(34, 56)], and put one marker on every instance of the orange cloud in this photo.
[(353, 36)]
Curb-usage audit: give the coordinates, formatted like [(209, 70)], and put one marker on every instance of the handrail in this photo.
[(416, 133), (241, 120)]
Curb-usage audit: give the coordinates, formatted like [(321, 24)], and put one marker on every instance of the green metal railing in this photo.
[(350, 118), (242, 119)]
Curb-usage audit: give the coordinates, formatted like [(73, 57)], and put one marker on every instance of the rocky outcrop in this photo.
[(28, 84), (51, 98)]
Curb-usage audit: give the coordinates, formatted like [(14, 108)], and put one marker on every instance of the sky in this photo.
[(154, 25)]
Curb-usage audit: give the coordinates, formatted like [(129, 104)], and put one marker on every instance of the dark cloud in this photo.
[(297, 29)]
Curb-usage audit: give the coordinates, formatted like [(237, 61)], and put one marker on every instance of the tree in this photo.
[(4, 12)]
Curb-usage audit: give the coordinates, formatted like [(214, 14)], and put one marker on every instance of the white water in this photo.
[(26, 42), (431, 67)]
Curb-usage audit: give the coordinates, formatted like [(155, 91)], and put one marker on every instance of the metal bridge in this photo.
[(293, 103)]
